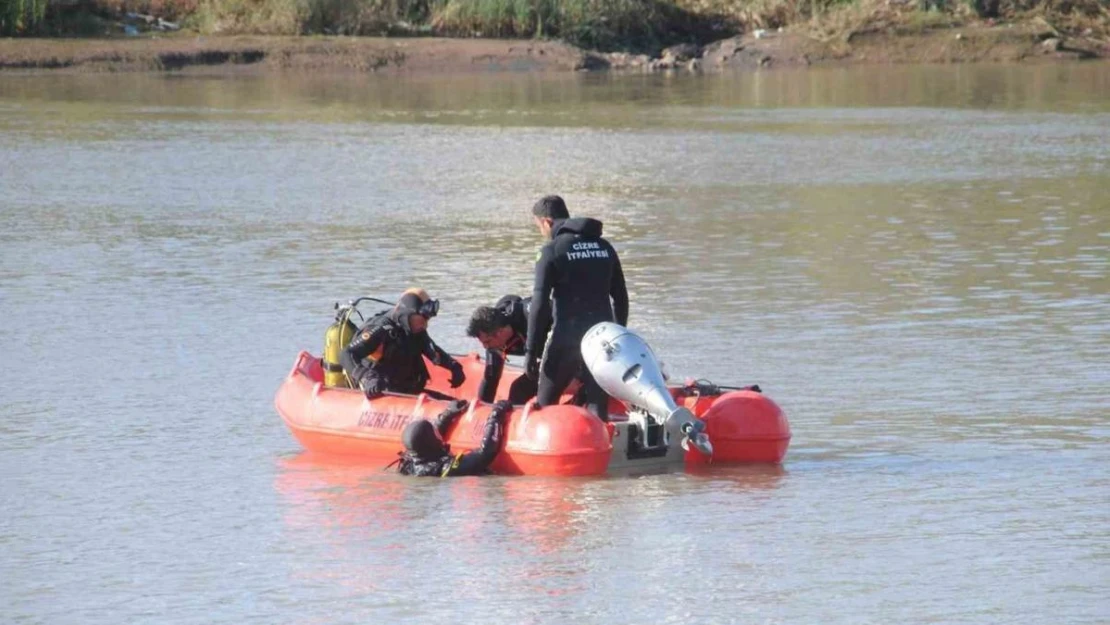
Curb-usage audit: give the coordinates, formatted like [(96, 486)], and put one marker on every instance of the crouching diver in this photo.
[(388, 352), (503, 330), (426, 455)]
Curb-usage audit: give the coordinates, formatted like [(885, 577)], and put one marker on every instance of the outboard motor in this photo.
[(626, 368)]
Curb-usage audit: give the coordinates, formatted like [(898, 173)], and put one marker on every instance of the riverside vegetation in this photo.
[(651, 34)]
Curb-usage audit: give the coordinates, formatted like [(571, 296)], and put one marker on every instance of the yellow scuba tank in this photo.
[(336, 339)]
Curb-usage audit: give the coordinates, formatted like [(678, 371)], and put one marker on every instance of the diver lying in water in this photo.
[(427, 455)]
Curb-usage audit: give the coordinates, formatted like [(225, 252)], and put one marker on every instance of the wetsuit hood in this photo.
[(408, 305), (420, 440), (584, 226)]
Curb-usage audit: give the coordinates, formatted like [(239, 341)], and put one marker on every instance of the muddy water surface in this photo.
[(914, 262)]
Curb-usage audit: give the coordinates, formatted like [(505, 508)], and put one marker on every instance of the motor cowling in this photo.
[(624, 366)]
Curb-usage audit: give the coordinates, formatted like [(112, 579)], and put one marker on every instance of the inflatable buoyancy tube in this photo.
[(336, 339)]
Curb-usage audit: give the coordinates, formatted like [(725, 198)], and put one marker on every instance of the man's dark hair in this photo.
[(486, 319), (551, 207)]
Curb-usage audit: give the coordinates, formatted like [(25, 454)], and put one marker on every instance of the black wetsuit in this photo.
[(515, 309), (425, 454), (578, 274), (386, 355)]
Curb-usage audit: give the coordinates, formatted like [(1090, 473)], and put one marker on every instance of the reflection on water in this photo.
[(557, 100), (913, 262), (529, 533)]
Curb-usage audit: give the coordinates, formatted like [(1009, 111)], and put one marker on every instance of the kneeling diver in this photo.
[(388, 352), (426, 455)]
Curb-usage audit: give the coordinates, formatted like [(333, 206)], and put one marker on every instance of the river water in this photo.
[(913, 261)]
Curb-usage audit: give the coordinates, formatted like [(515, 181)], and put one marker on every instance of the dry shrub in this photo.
[(1070, 16), (640, 25), (751, 14), (366, 17), (288, 17), (771, 13), (168, 9), (844, 21), (507, 18), (261, 17)]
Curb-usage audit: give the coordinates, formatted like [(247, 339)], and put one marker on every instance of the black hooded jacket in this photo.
[(426, 455), (515, 309), (579, 281), (386, 353)]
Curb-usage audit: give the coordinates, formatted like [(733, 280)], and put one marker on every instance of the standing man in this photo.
[(578, 274)]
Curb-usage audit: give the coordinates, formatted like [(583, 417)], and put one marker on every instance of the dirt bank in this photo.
[(308, 54), (972, 43), (979, 42)]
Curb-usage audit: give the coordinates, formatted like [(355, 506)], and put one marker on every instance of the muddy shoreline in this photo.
[(982, 42)]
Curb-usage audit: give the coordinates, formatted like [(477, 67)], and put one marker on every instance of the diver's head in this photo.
[(415, 308), (422, 441), (491, 327), (547, 211)]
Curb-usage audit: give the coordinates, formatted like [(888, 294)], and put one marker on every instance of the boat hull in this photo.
[(562, 440)]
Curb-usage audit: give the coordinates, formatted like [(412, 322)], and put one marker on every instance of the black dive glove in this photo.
[(372, 386), (501, 411), (458, 406), (457, 375)]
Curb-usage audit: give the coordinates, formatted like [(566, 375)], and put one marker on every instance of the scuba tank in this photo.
[(337, 337)]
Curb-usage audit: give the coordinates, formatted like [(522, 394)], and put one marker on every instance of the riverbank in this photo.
[(878, 35), (238, 54), (250, 54)]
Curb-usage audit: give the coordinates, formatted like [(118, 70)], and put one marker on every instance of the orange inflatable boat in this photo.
[(563, 440)]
